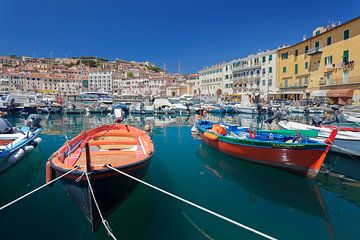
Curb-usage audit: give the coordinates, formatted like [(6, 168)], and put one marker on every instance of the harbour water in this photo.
[(275, 202)]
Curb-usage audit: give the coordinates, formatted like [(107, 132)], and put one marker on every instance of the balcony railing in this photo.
[(314, 51), (344, 65), (340, 81), (293, 86), (247, 67)]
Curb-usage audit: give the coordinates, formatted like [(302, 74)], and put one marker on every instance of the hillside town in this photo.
[(322, 65)]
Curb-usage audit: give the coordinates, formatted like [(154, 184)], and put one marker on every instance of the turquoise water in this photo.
[(280, 204)]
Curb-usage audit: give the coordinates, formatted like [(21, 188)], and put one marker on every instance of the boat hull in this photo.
[(305, 162), (110, 190)]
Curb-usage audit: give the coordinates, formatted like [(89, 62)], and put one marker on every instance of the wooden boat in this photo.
[(15, 142), (125, 148), (291, 152)]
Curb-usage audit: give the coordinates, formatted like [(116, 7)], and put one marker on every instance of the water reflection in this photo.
[(278, 187)]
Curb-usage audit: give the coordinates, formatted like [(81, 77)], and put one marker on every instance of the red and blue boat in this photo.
[(291, 150)]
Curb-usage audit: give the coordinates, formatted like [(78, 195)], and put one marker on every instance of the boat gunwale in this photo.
[(265, 143), (74, 143)]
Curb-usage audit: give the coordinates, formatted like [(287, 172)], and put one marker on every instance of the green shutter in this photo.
[(270, 69), (270, 58), (346, 56), (306, 65), (284, 69), (346, 34), (296, 69)]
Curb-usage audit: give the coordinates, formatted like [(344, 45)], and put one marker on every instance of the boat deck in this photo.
[(108, 149)]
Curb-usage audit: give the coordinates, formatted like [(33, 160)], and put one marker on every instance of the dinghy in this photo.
[(289, 150), (15, 142), (123, 147)]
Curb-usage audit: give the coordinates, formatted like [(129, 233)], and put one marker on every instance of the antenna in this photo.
[(179, 67)]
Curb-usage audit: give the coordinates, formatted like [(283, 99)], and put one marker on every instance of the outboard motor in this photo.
[(5, 126), (33, 121), (316, 121)]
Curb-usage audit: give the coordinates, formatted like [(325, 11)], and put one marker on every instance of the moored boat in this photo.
[(15, 142), (123, 147), (290, 151)]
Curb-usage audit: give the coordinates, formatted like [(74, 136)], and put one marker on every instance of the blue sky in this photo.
[(198, 33)]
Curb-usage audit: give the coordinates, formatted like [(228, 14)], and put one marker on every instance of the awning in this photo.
[(343, 93), (318, 93), (292, 92)]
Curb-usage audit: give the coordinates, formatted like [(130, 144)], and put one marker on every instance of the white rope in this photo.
[(103, 221), (36, 189), (194, 205)]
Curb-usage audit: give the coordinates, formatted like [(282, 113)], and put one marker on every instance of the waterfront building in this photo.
[(255, 75), (192, 82), (329, 60), (4, 83), (211, 81), (100, 81)]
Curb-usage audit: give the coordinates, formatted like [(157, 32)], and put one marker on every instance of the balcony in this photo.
[(247, 67), (293, 86), (344, 65), (314, 51)]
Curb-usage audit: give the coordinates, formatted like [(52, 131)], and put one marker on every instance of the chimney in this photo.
[(304, 37)]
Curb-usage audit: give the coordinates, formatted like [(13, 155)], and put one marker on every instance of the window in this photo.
[(328, 78), (284, 69), (346, 34), (269, 82), (285, 82), (270, 69), (306, 81), (328, 41), (328, 60), (306, 49), (306, 65), (296, 69), (346, 76), (263, 82), (317, 32), (317, 44), (296, 53), (284, 55), (264, 59), (270, 58), (346, 56)]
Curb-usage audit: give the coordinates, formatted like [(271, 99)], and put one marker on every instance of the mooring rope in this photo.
[(37, 189), (103, 221), (194, 204)]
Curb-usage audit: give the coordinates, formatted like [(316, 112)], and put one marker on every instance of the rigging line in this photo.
[(37, 189), (103, 221), (194, 204)]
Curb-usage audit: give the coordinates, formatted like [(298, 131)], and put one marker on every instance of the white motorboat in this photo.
[(322, 131)]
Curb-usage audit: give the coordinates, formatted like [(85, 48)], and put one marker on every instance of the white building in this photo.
[(255, 74), (211, 81), (4, 83), (101, 81)]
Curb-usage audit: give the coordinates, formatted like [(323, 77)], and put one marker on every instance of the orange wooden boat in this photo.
[(125, 148)]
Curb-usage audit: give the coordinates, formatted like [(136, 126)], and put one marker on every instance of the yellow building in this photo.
[(327, 64)]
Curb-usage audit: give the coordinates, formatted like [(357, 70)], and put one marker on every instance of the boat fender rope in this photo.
[(37, 189), (194, 204), (80, 177), (103, 221)]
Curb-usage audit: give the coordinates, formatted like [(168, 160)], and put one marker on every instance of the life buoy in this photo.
[(216, 128)]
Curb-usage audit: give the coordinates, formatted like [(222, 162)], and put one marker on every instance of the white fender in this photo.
[(37, 140), (16, 156), (29, 148)]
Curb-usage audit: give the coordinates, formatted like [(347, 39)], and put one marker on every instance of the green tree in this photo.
[(129, 74)]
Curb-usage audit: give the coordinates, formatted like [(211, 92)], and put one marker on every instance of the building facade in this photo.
[(101, 81), (255, 75), (329, 60), (211, 81)]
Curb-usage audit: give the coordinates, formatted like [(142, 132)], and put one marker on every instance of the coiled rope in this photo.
[(103, 221), (37, 189), (194, 204)]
